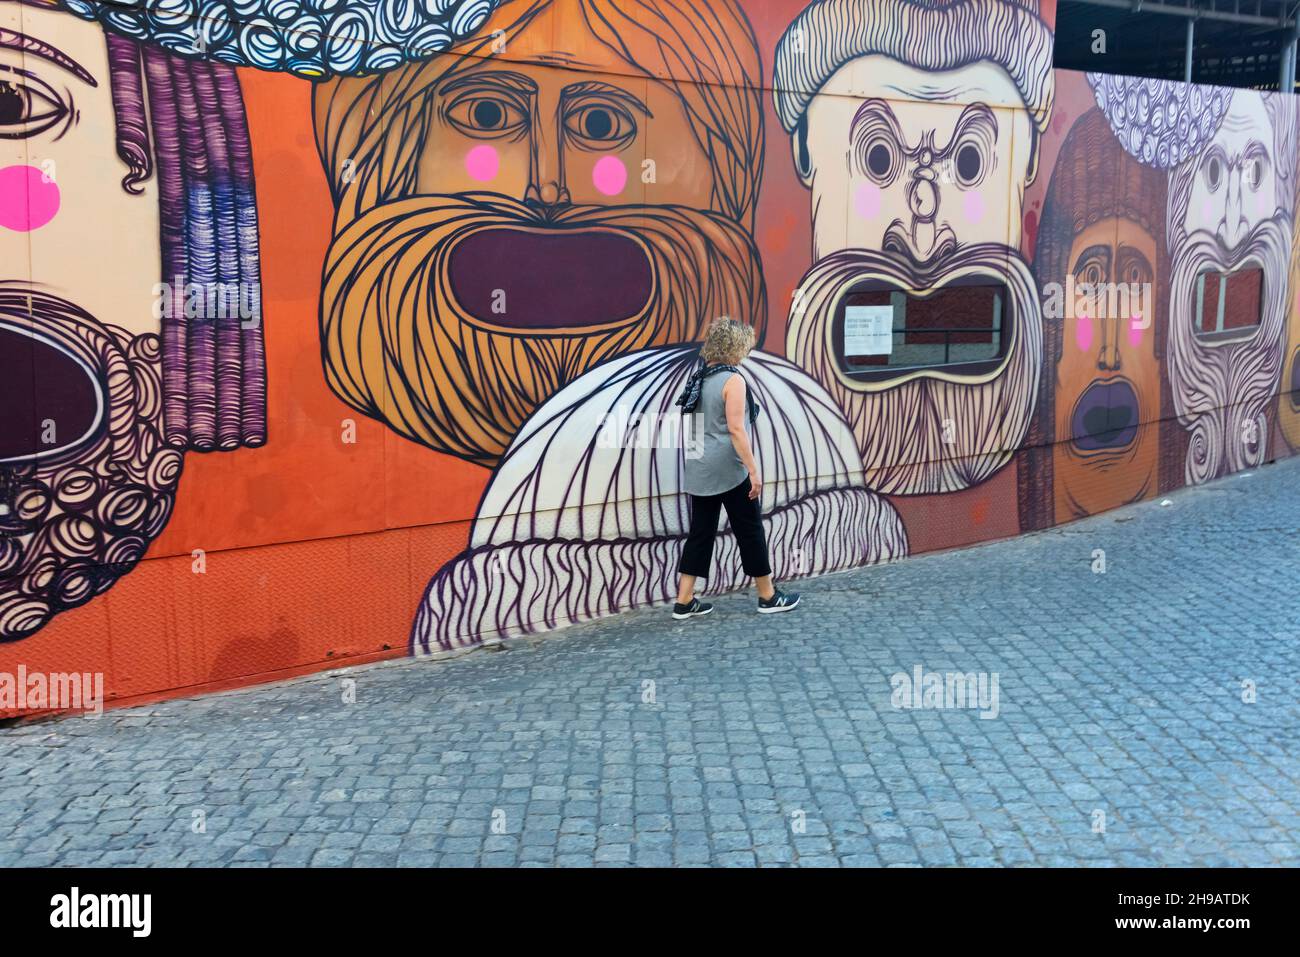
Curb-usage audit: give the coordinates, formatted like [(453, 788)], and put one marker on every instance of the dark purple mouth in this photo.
[(48, 399), (1106, 416), (1295, 377), (550, 279)]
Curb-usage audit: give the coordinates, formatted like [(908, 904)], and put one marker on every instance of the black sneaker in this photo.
[(779, 601), (696, 607)]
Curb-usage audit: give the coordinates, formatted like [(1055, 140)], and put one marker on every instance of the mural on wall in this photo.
[(553, 282), (501, 227), (915, 127), (1095, 442), (1230, 156), (494, 236), (107, 375)]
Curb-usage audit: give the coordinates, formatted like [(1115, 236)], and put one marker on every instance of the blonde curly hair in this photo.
[(727, 342)]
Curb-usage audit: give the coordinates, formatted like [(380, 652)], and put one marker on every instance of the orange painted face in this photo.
[(507, 220), (551, 127), (1108, 377)]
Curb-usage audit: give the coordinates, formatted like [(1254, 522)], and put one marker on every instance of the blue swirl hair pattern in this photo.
[(315, 39)]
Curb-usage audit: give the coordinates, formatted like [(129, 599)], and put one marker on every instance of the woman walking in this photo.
[(721, 471)]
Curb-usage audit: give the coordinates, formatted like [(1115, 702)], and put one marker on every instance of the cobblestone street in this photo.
[(1122, 732)]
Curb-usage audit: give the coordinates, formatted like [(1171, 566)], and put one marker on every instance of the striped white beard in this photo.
[(574, 526), (1223, 391), (932, 432)]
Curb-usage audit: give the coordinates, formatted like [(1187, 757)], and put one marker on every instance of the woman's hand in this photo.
[(755, 484)]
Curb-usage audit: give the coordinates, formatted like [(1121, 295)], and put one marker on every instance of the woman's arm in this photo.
[(733, 394)]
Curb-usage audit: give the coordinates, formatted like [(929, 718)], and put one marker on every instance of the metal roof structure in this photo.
[(1244, 43)]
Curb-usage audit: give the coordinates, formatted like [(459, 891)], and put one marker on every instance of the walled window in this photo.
[(1228, 304), (882, 331)]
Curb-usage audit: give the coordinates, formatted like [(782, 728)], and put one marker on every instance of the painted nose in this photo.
[(923, 203), (924, 200), (546, 185), (1108, 360), (550, 193), (1233, 229)]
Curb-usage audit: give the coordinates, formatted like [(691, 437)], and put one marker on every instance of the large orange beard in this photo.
[(399, 345)]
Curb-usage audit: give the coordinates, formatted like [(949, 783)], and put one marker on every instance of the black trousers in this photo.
[(746, 522)]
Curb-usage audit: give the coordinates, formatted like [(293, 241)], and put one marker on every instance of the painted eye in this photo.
[(880, 161), (1254, 172), (1213, 173), (600, 125), (875, 150), (970, 164), (27, 106), (486, 115), (1133, 267)]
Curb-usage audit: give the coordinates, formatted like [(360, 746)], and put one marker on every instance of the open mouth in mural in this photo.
[(549, 279), (1106, 416), (883, 329), (50, 400), (954, 317)]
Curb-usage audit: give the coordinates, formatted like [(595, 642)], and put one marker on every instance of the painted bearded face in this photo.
[(1107, 379), (86, 481), (545, 219), (911, 194), (1228, 214)]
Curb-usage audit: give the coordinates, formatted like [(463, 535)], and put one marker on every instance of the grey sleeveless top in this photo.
[(712, 465)]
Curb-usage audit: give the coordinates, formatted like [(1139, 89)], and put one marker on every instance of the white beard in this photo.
[(1223, 391), (563, 536), (932, 431)]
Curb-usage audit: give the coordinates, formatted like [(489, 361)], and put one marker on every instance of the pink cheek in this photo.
[(973, 206), (867, 200), (1207, 212), (28, 199), (609, 175), (1083, 333), (482, 163), (1135, 331)]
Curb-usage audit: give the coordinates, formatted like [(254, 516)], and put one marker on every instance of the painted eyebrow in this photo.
[(874, 107), (596, 88), (504, 78), (22, 43), (1126, 250), (1098, 250)]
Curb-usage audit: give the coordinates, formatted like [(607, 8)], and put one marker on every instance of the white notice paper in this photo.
[(868, 330)]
